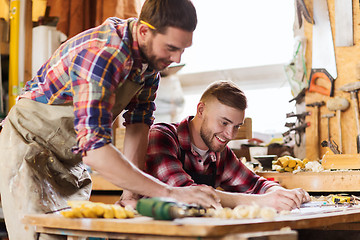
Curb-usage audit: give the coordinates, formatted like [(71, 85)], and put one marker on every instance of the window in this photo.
[(234, 34)]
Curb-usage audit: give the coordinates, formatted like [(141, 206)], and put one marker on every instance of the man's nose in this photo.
[(230, 133), (176, 56)]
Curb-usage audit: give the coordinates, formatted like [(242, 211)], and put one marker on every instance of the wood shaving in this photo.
[(244, 212)]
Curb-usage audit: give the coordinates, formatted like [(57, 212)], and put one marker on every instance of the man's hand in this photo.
[(201, 194), (284, 199), (128, 198)]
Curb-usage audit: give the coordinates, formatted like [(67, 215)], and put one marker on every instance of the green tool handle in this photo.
[(156, 208)]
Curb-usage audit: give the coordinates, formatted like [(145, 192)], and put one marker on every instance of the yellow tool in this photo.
[(341, 199), (14, 52)]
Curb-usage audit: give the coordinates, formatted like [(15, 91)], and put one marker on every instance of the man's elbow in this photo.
[(92, 157), (88, 161)]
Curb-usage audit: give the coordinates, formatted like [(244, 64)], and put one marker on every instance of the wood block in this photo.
[(99, 183), (245, 131), (341, 161), (108, 199), (341, 181)]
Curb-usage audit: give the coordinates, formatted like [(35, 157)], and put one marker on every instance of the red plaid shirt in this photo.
[(163, 161)]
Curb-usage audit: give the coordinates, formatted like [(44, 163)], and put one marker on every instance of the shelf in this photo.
[(327, 181)]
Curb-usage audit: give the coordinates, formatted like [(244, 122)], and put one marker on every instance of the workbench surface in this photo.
[(326, 181), (191, 227)]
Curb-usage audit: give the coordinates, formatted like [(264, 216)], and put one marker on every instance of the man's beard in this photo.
[(151, 59), (207, 136)]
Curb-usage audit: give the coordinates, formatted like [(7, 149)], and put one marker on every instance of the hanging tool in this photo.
[(168, 209), (323, 54), (338, 104), (301, 11), (300, 97), (298, 131), (353, 89), (344, 23), (330, 143), (316, 106), (298, 126), (300, 116)]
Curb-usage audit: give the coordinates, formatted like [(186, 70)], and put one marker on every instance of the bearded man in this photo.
[(194, 152), (64, 116)]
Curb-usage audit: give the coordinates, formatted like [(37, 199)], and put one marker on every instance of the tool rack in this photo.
[(348, 70)]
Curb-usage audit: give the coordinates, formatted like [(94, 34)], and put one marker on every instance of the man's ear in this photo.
[(200, 109), (143, 30)]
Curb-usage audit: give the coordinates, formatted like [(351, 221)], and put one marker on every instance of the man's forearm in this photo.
[(136, 143), (113, 166), (229, 199)]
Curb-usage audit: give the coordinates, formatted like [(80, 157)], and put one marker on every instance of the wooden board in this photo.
[(100, 184), (347, 58), (341, 161), (327, 181), (199, 227)]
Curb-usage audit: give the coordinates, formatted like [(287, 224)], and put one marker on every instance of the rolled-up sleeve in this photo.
[(94, 74)]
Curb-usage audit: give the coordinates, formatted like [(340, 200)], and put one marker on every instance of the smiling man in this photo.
[(64, 116), (195, 152)]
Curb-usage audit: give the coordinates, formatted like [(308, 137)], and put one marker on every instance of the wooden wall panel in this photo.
[(347, 58)]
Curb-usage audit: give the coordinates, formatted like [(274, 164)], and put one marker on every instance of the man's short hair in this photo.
[(227, 93), (169, 13)]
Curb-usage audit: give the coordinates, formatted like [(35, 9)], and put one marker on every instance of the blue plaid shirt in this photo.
[(86, 71)]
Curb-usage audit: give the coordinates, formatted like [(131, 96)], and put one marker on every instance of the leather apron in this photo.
[(39, 172)]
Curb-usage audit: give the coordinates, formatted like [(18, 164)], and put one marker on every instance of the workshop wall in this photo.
[(348, 64), (77, 16)]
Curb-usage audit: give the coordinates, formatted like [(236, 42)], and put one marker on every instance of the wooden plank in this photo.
[(73, 234), (341, 161), (200, 227), (107, 235), (99, 183), (347, 58), (28, 42), (327, 181), (103, 198)]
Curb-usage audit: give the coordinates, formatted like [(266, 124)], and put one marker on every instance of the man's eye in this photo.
[(224, 123), (172, 49)]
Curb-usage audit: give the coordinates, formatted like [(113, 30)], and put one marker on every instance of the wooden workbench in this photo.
[(313, 182), (188, 228), (327, 181)]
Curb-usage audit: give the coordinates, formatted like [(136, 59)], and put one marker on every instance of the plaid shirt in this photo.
[(87, 70), (163, 161)]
